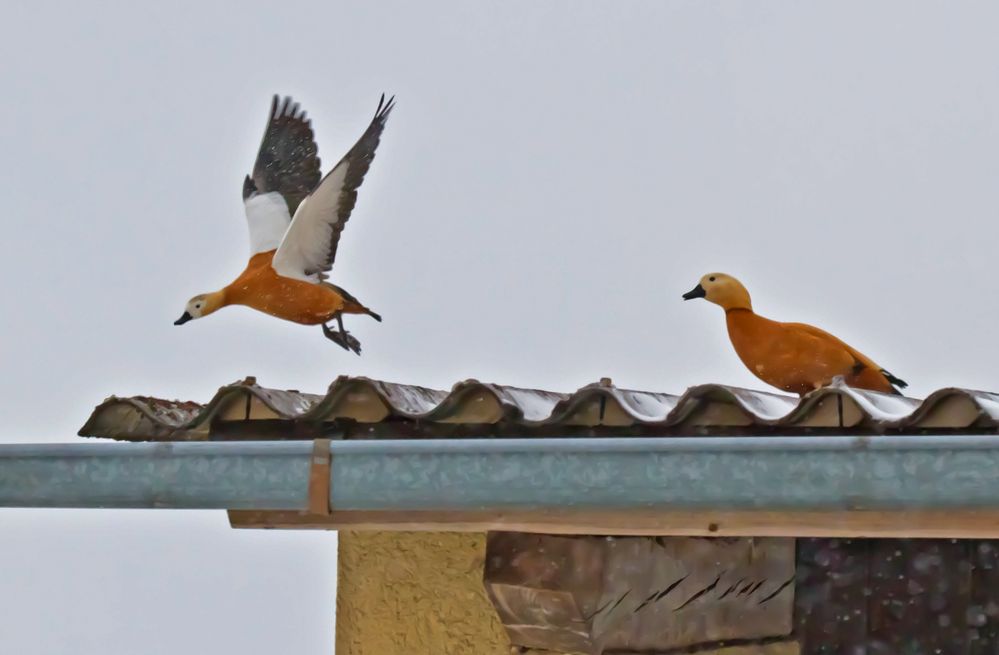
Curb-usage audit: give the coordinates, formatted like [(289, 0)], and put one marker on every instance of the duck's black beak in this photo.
[(184, 318), (696, 292)]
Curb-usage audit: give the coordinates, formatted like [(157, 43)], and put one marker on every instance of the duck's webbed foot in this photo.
[(341, 337)]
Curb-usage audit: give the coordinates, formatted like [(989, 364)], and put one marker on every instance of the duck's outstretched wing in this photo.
[(309, 247), (286, 171)]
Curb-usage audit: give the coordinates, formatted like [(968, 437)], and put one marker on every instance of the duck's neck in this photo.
[(747, 332), (738, 318), (734, 298), (216, 300)]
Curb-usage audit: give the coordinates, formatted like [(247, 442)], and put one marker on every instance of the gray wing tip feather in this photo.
[(384, 108), (286, 108)]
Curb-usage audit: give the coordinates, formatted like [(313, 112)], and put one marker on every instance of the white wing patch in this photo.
[(306, 246), (268, 218)]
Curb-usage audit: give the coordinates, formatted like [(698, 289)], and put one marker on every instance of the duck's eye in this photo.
[(198, 306), (711, 279)]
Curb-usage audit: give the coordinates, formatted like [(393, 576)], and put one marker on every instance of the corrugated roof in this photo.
[(361, 407)]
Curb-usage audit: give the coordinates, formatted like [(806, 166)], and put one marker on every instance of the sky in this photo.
[(554, 177)]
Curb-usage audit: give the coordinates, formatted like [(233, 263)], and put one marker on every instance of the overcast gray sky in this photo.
[(555, 175)]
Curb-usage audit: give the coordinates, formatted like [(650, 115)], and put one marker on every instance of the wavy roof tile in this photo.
[(361, 407)]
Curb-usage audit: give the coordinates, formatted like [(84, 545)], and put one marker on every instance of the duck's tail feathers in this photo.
[(357, 307), (894, 381)]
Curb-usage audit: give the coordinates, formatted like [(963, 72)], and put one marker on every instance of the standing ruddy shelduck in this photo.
[(295, 220), (791, 356)]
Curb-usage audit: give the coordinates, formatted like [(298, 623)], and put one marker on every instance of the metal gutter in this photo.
[(718, 473), (264, 475)]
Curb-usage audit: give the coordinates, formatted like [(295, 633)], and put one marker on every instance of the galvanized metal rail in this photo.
[(647, 474)]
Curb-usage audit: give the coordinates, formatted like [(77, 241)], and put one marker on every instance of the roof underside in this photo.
[(358, 407)]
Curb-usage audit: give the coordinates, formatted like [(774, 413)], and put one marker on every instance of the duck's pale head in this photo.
[(201, 305), (721, 289)]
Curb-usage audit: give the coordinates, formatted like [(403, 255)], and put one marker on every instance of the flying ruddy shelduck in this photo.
[(295, 220), (791, 356)]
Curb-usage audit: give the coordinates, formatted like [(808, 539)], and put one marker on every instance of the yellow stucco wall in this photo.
[(414, 593)]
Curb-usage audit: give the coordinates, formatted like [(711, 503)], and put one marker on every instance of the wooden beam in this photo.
[(319, 478), (956, 524), (590, 594)]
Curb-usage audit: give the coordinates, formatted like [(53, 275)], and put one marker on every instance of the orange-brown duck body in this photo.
[(260, 287), (794, 357)]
